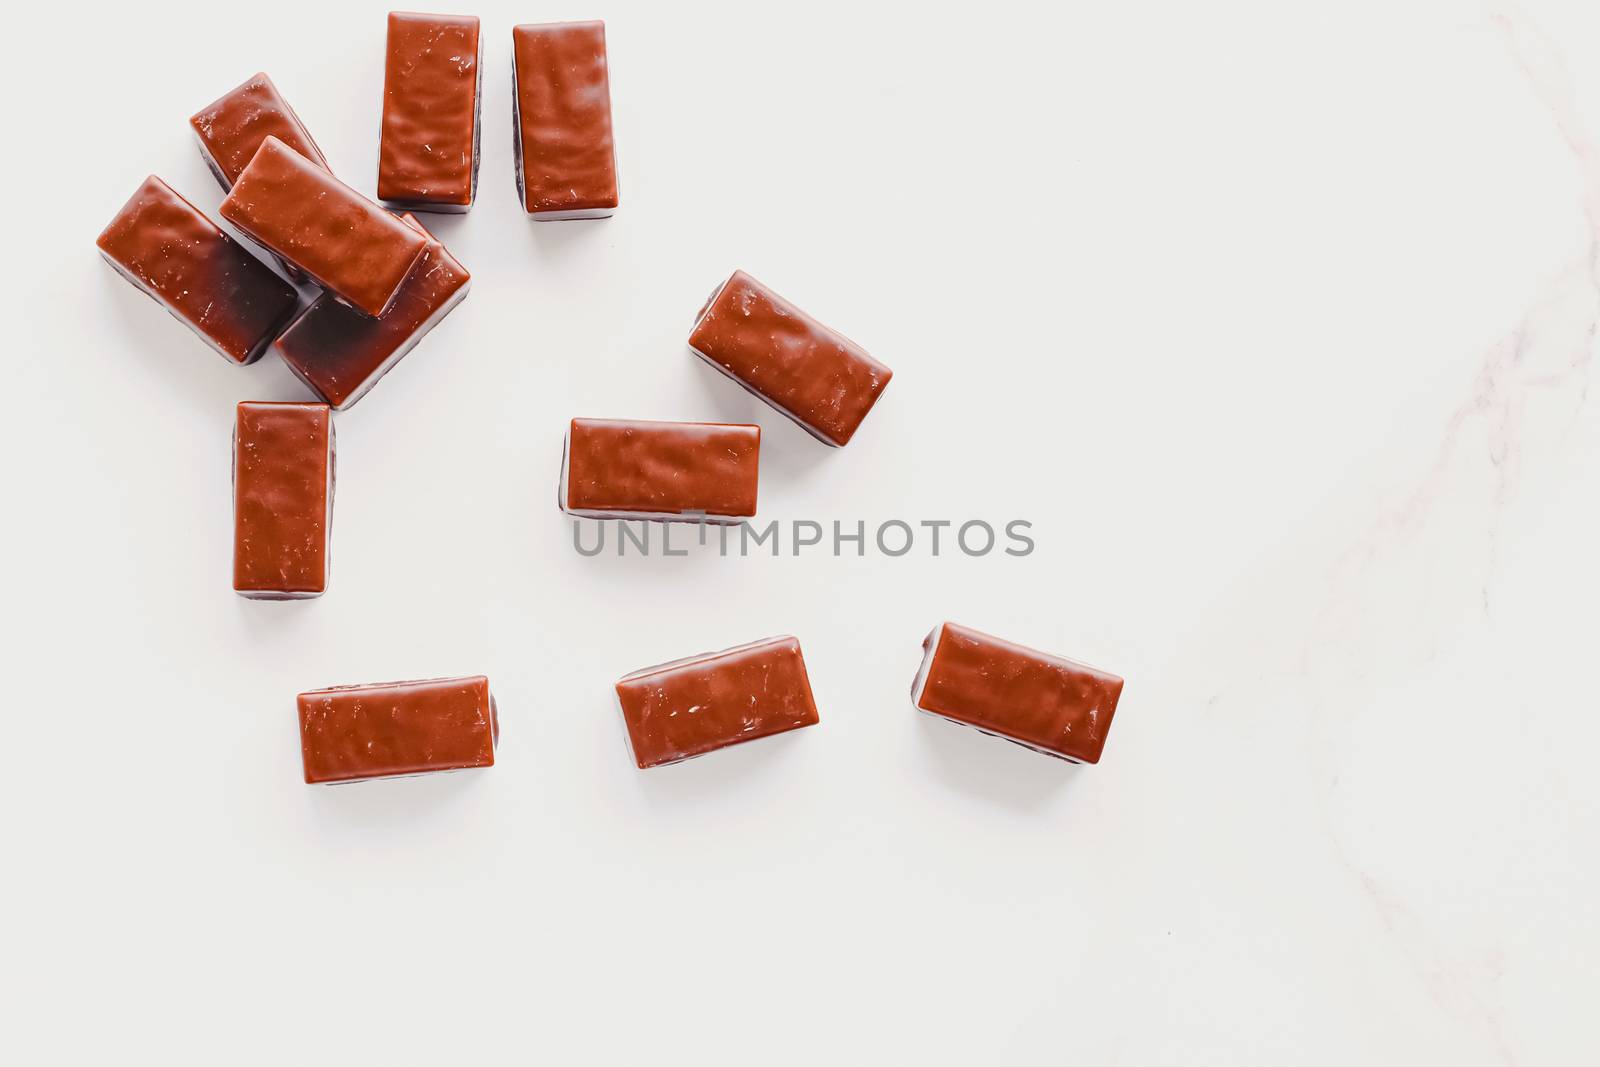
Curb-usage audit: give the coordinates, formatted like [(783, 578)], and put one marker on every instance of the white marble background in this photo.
[(1277, 319)]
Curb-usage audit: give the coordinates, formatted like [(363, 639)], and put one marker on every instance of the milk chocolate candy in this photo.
[(340, 353), (1043, 702), (282, 500), (693, 706), (175, 255), (428, 156), (233, 127), (664, 471), (344, 242), (561, 119), (354, 732), (818, 377)]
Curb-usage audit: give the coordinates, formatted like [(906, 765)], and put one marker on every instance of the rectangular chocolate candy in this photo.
[(428, 157), (1043, 702), (665, 471), (340, 353), (561, 119), (179, 258), (352, 732), (233, 127), (819, 378), (697, 705), (282, 500), (340, 239)]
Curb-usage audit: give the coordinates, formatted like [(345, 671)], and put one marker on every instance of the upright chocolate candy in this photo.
[(282, 500), (233, 127), (818, 377), (697, 705), (341, 353), (428, 158), (561, 118), (343, 241), (163, 244), (353, 732), (691, 471), (1043, 702)]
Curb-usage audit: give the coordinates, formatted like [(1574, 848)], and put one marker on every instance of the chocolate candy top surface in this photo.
[(817, 376), (340, 353), (232, 128), (391, 728), (342, 240), (165, 246), (429, 149), (282, 498), (618, 465), (566, 163), (1043, 701), (697, 705)]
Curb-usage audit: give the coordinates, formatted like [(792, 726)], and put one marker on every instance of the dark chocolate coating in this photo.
[(282, 499), (232, 128), (428, 156), (618, 465), (561, 111), (697, 705), (818, 377), (163, 244), (378, 731), (340, 353), (343, 241), (1045, 702)]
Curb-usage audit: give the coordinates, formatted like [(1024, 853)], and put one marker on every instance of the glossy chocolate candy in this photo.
[(232, 128), (1047, 703), (340, 239), (353, 732), (561, 119), (665, 471), (428, 156), (163, 244), (341, 353), (282, 500), (818, 377), (697, 705)]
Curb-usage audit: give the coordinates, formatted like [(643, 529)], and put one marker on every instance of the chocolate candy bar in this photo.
[(282, 500), (352, 732), (179, 258), (1043, 702), (428, 157), (561, 119), (340, 353), (693, 706), (819, 378), (665, 471), (232, 128), (343, 241)]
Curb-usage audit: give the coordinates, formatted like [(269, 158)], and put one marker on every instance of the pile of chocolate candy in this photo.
[(379, 281)]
